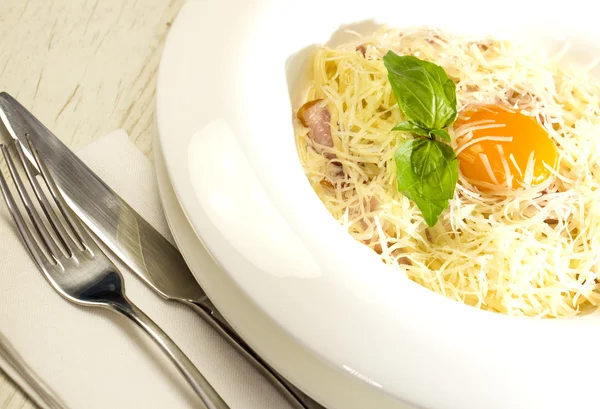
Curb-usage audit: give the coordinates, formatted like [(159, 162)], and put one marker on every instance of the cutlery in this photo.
[(130, 237), (76, 267), (16, 368)]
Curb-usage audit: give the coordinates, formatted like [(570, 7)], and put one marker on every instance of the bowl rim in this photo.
[(324, 383)]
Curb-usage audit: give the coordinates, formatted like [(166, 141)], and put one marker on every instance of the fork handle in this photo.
[(297, 398), (197, 381)]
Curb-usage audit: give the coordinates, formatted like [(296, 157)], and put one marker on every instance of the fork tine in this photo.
[(56, 225), (30, 242), (46, 239), (76, 229)]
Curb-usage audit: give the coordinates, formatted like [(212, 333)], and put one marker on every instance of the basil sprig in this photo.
[(426, 173), (426, 168)]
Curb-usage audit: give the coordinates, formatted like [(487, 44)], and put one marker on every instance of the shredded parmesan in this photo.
[(505, 166), (484, 138), (531, 250)]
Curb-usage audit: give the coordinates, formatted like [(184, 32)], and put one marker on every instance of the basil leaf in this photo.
[(441, 134), (424, 93), (410, 127), (426, 173)]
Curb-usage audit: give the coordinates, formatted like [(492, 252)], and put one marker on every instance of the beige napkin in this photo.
[(94, 358)]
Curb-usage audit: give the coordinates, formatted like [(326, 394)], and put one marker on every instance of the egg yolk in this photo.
[(500, 148)]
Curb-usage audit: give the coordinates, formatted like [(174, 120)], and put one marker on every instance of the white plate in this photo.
[(224, 122)]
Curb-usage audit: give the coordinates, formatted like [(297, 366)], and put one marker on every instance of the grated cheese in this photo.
[(483, 138), (529, 252)]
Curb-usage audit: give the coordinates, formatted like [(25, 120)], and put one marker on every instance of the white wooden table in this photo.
[(85, 68)]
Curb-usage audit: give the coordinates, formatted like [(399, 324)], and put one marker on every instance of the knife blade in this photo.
[(129, 237)]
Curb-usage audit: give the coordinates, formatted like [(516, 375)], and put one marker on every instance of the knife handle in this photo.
[(213, 317)]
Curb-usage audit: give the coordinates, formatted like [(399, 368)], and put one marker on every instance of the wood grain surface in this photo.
[(85, 68)]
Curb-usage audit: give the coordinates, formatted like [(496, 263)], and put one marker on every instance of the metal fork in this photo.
[(77, 268)]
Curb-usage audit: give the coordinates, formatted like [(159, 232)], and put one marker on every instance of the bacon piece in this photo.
[(435, 39), (404, 261), (316, 117), (482, 45), (362, 49), (326, 183)]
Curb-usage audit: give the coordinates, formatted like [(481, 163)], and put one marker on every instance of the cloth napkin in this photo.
[(93, 358)]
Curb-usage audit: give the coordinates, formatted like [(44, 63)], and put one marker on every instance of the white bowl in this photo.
[(228, 79)]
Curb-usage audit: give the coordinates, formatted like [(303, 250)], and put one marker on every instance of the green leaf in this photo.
[(424, 93), (441, 134), (417, 130), (426, 173), (412, 128)]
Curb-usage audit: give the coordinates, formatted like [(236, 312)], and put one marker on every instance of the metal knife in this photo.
[(133, 240)]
